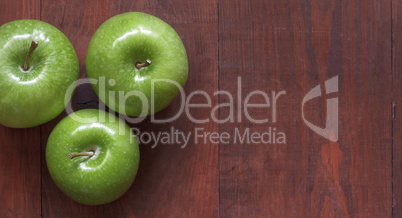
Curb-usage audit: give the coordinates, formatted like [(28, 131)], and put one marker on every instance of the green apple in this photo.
[(143, 61), (92, 162), (37, 65)]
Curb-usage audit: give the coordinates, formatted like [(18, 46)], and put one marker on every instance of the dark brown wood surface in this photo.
[(270, 46), (294, 46), (396, 106), (20, 159)]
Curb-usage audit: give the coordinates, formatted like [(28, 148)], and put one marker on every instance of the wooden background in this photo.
[(273, 45)]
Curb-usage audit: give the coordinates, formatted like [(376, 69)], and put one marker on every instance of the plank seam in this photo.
[(393, 107)]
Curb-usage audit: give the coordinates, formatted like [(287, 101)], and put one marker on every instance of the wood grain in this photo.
[(20, 189), (294, 46), (288, 45), (396, 108)]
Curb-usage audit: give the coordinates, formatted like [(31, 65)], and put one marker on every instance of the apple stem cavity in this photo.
[(31, 49), (140, 65), (72, 155)]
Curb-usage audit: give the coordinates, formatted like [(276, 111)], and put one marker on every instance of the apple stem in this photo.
[(140, 65), (72, 155), (31, 49)]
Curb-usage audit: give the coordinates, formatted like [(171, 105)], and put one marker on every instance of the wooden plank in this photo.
[(171, 181), (78, 20), (294, 46), (397, 117), (20, 190)]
